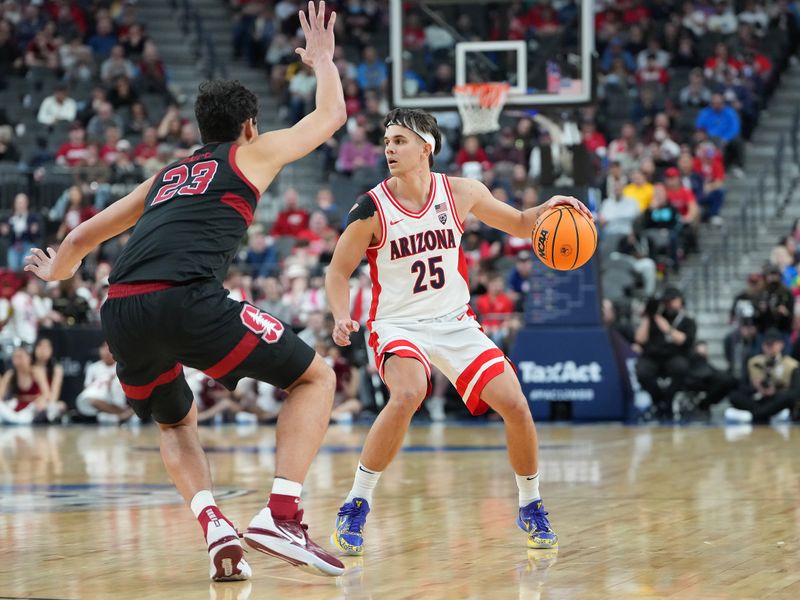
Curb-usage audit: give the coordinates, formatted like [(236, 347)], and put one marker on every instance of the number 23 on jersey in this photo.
[(183, 182)]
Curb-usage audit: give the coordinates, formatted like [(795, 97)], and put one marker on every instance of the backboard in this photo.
[(543, 49)]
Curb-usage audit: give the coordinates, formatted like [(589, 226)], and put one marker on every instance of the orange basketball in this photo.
[(564, 238)]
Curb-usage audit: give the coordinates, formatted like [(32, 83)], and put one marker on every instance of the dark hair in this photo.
[(417, 120), (222, 107), (51, 362)]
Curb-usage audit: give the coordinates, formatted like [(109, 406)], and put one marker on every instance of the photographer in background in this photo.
[(772, 385), (666, 335)]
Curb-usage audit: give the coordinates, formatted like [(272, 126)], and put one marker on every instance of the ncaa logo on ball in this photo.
[(540, 243), (565, 250)]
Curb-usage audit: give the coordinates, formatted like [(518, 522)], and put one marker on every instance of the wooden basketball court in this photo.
[(88, 512)]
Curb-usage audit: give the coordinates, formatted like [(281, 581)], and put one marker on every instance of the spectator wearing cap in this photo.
[(708, 165), (774, 305), (772, 385), (666, 334), (681, 197), (57, 107)]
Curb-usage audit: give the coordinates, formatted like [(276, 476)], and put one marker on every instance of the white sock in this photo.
[(285, 487), (528, 488), (364, 483), (202, 499)]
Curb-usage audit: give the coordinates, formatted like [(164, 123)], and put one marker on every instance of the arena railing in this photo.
[(722, 264)]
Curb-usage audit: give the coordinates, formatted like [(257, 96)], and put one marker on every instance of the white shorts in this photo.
[(454, 344)]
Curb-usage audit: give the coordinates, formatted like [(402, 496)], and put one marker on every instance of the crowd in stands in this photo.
[(681, 87)]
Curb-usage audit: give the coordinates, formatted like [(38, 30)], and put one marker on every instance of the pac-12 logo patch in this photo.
[(261, 323), (442, 218)]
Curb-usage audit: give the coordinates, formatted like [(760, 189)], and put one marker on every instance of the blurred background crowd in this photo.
[(89, 109)]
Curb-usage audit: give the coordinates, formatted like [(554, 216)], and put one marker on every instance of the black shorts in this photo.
[(152, 329)]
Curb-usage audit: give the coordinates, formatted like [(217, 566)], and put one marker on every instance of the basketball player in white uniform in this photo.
[(410, 228)]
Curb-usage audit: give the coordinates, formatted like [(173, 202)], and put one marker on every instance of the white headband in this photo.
[(426, 137)]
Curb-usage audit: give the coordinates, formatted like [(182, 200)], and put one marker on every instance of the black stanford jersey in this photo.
[(196, 213)]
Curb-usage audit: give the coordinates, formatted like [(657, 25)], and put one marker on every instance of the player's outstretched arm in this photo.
[(283, 146), (119, 217), (363, 227), (473, 196)]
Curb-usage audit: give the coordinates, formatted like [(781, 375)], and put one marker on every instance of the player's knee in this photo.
[(511, 406), (409, 397)]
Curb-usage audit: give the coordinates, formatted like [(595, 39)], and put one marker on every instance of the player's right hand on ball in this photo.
[(319, 38), (342, 331)]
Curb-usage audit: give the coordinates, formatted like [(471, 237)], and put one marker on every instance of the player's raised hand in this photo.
[(569, 201), (319, 38), (342, 330), (40, 263)]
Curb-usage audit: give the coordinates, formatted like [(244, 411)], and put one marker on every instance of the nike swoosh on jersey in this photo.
[(395, 222)]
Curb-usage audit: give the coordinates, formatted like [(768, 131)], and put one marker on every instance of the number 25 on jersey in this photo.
[(177, 181)]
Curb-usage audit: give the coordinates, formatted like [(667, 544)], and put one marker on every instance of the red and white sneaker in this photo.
[(289, 541), (225, 552)]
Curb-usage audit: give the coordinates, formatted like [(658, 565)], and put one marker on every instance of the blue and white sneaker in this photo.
[(349, 534), (532, 519)]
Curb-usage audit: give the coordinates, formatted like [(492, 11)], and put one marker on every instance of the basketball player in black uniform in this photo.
[(167, 307)]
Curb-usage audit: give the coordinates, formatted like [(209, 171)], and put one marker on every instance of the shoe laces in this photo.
[(539, 518), (356, 517)]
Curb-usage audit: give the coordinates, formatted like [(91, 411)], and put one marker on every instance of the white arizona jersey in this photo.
[(418, 269)]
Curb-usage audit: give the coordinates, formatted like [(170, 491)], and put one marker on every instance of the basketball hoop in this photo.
[(480, 105)]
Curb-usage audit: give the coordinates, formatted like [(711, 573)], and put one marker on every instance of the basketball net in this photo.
[(480, 105)]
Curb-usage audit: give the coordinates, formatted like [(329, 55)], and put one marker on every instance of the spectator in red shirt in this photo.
[(494, 309), (147, 148), (292, 219), (708, 164), (317, 230), (72, 152), (594, 141), (544, 19), (413, 34), (717, 65), (108, 151), (471, 151), (652, 73), (680, 197)]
